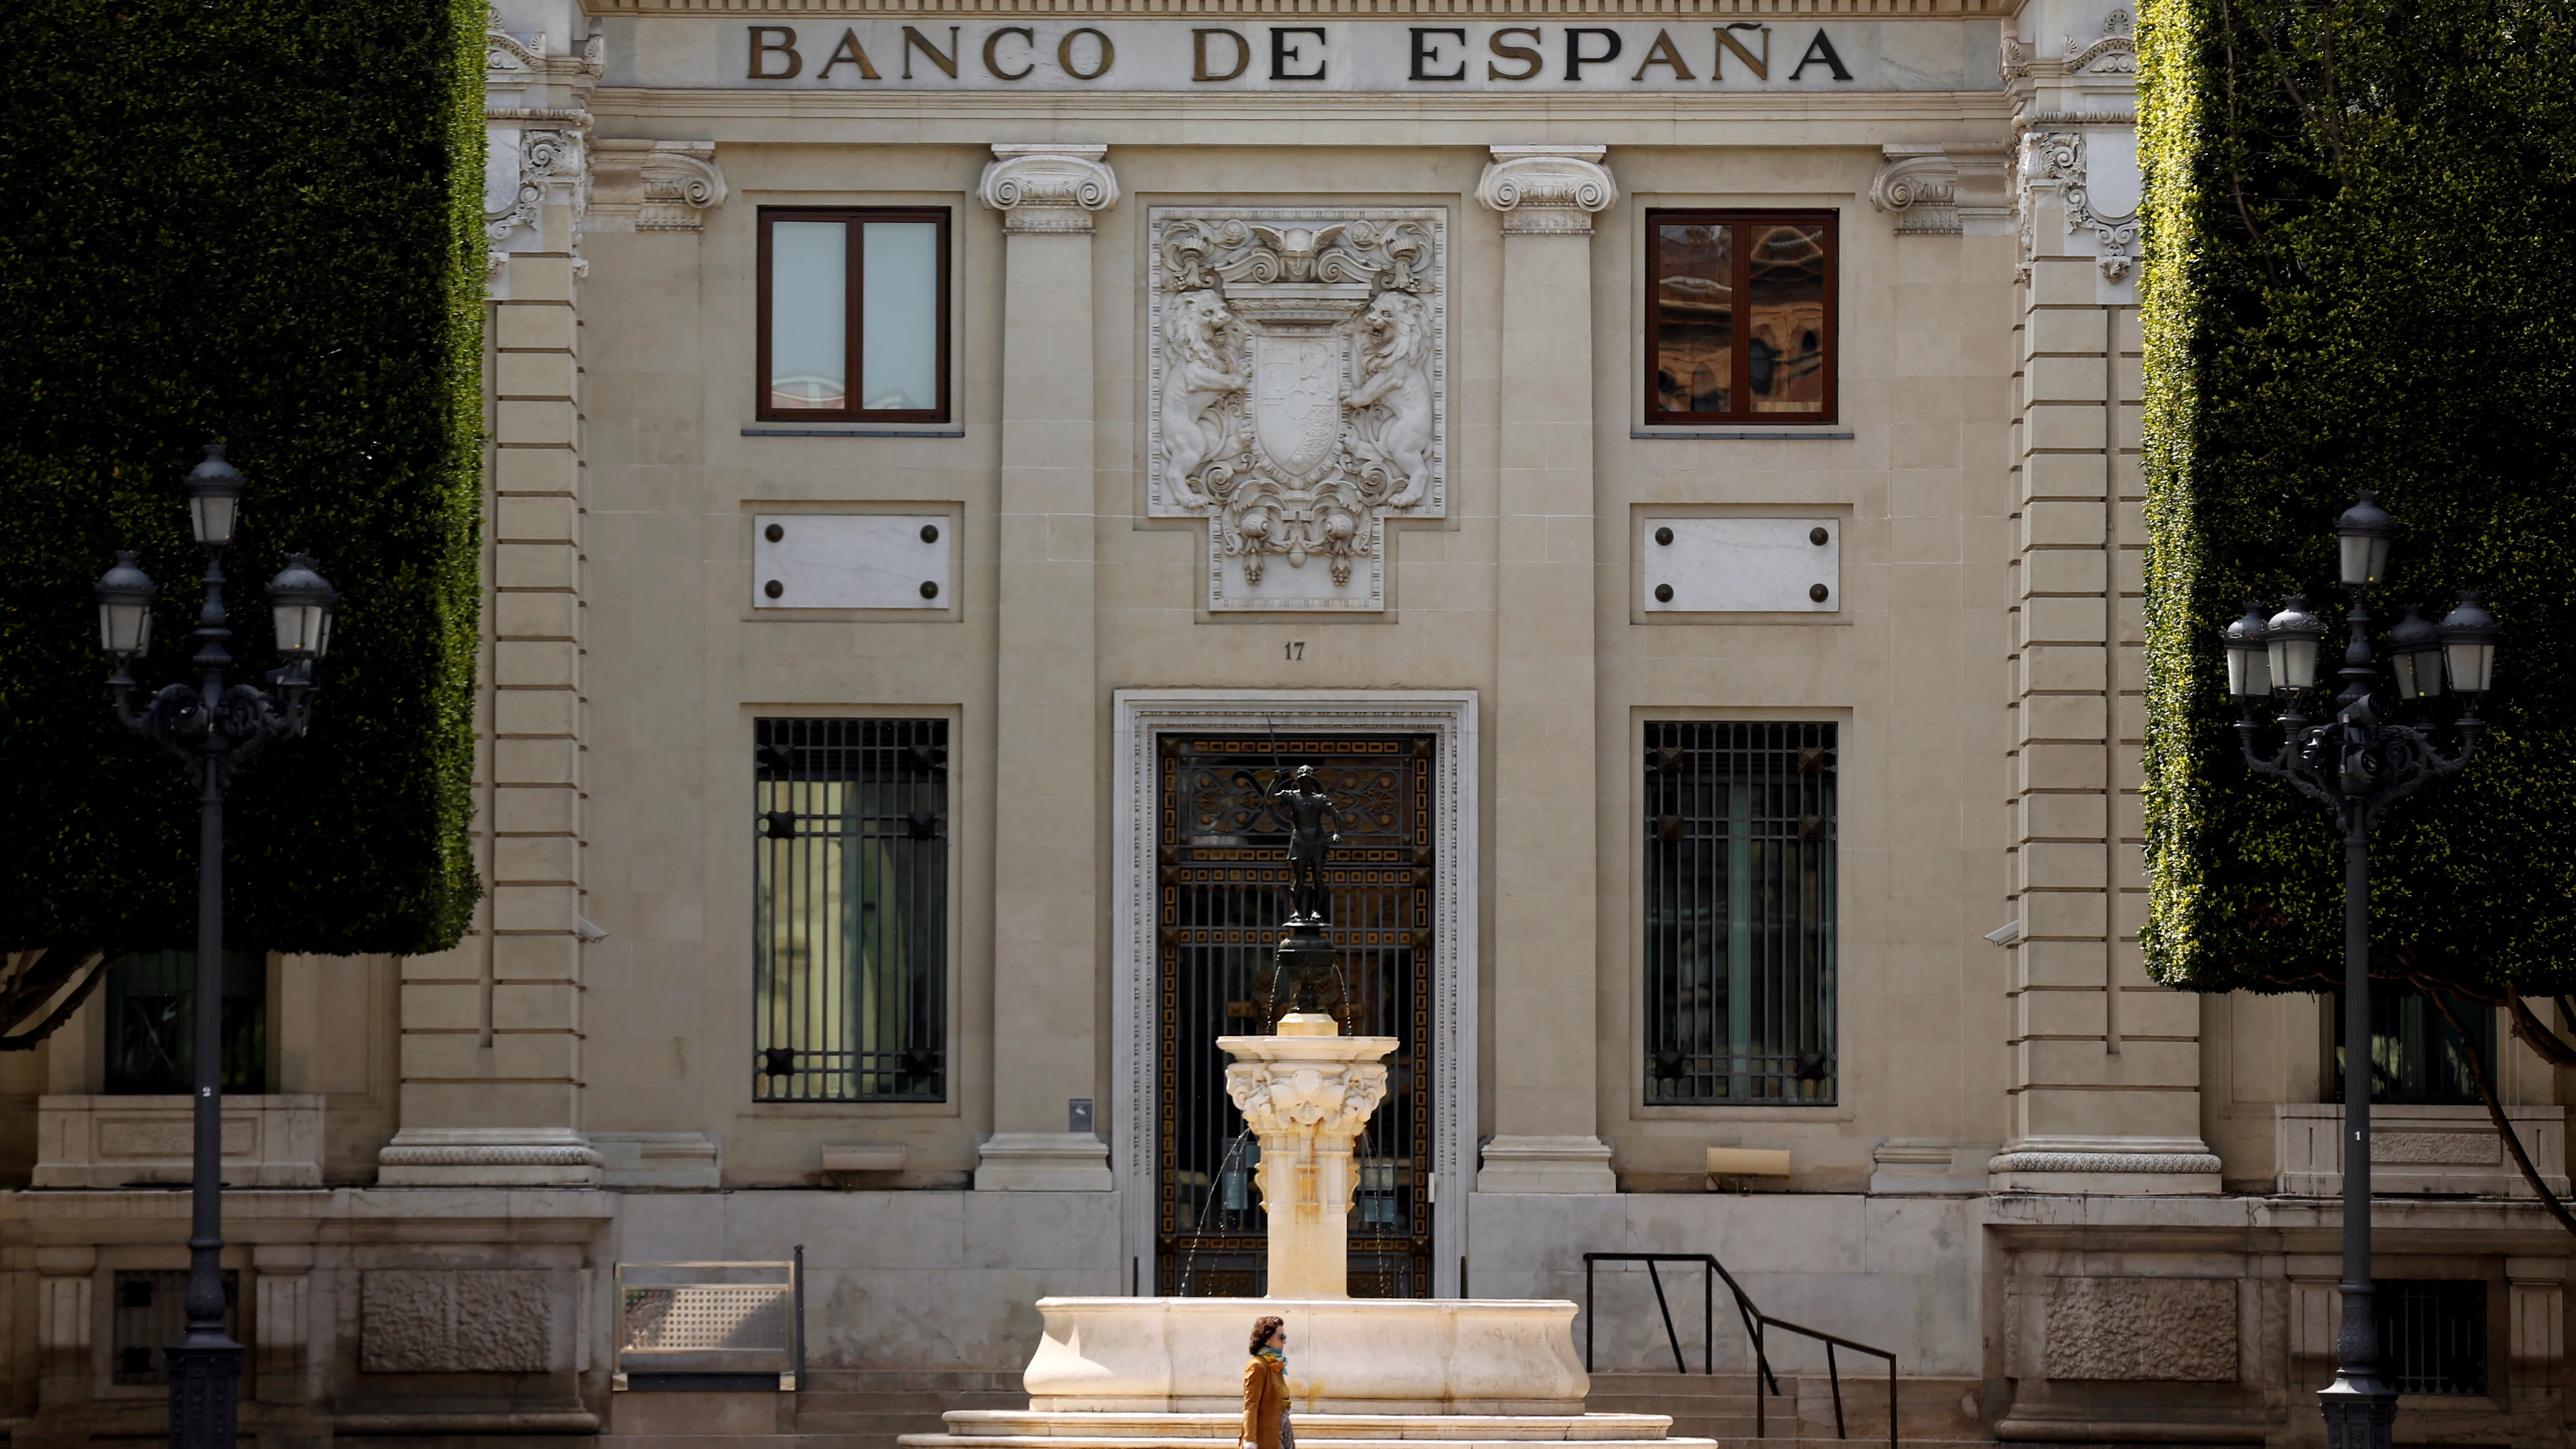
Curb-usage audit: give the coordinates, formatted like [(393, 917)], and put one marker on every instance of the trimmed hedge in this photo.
[(2356, 274), (260, 222)]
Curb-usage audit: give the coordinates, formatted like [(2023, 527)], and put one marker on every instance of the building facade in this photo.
[(1671, 468)]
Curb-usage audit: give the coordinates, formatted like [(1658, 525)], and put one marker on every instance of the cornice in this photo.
[(1331, 9)]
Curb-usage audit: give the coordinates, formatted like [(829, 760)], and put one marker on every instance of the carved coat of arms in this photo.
[(1298, 394)]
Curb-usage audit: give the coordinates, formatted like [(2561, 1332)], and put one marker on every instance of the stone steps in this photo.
[(879, 1410), (871, 1408), (1701, 1406), (1721, 1407)]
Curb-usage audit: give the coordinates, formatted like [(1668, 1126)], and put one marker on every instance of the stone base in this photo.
[(657, 1159), (1010, 1429), (1928, 1166), (2106, 1166), (488, 1157), (1413, 1356), (1042, 1162), (1546, 1165), (109, 1142)]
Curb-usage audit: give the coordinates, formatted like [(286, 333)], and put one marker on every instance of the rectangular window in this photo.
[(2432, 1334), (853, 315), (1740, 316), (2415, 1057), (151, 1023), (1739, 913), (850, 957)]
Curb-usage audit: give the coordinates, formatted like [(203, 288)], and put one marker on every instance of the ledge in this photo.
[(1822, 434), (566, 1421), (854, 432), (97, 1142)]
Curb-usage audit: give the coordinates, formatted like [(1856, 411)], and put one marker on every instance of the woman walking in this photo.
[(1265, 1389)]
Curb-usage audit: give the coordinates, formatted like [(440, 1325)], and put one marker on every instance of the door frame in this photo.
[(1449, 716)]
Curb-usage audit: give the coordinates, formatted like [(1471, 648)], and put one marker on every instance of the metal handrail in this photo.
[(1756, 1323)]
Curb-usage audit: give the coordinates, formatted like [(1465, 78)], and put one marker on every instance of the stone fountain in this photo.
[(1117, 1373)]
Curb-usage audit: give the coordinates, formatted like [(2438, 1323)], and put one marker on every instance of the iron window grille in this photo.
[(151, 1311), (151, 1023), (1739, 913), (850, 949), (2415, 1056), (2432, 1334)]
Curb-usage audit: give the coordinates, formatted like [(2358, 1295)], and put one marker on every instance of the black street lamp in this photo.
[(212, 727), (2356, 766)]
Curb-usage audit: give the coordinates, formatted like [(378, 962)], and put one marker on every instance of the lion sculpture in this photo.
[(1395, 379), (1197, 380)]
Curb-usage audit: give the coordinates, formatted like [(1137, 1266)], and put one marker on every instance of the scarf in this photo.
[(1277, 1356)]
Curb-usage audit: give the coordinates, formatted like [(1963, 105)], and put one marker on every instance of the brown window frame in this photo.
[(1740, 347), (853, 293)]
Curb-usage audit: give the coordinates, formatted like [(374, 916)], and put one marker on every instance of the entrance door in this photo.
[(1221, 871)]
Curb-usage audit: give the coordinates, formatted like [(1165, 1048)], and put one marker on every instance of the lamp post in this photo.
[(213, 727), (2356, 765)]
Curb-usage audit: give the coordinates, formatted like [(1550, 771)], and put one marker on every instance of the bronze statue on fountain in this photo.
[(1305, 958)]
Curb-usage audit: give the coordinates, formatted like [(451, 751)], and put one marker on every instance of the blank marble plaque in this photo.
[(1740, 565), (850, 561)]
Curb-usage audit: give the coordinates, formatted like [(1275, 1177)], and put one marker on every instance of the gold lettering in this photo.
[(1760, 65), (1199, 55), (1064, 54), (848, 52), (995, 39), (762, 44), (914, 39), (1525, 53), (1663, 52)]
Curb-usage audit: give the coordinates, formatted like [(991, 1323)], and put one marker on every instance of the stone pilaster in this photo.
[(491, 1031), (2105, 1086), (65, 1319), (282, 1281), (1046, 879), (2536, 1311), (1546, 856)]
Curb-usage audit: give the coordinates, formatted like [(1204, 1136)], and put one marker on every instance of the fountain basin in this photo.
[(1379, 1356)]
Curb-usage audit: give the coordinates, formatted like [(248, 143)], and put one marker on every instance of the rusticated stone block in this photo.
[(416, 1321), (2167, 1330)]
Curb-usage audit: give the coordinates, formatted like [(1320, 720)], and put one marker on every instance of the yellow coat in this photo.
[(1265, 1394)]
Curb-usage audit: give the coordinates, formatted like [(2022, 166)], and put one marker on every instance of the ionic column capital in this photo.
[(1049, 187), (1547, 188)]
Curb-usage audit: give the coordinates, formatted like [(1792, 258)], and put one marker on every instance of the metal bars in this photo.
[(150, 1311), (850, 925), (2432, 1334), (2415, 1056), (1739, 912), (1222, 896)]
